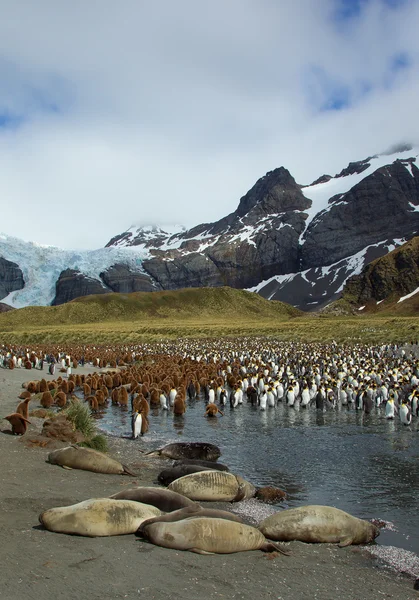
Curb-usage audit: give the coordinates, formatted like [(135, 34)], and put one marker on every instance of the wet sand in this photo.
[(41, 565)]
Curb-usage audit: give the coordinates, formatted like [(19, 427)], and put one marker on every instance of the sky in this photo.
[(135, 112)]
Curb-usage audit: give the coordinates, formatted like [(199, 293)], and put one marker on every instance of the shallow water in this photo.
[(362, 464)]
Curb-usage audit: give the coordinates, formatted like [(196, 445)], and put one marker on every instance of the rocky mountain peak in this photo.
[(275, 192)]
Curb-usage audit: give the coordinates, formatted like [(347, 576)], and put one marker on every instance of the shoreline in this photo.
[(38, 563)]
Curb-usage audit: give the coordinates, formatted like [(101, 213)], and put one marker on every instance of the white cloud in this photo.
[(138, 112)]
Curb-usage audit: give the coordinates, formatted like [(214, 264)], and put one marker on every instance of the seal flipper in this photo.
[(127, 471), (271, 547), (68, 468), (345, 541), (199, 551)]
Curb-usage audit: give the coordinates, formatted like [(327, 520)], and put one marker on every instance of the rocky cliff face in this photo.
[(72, 284), (383, 205), (11, 277)]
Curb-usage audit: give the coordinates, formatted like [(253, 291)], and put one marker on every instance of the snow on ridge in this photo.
[(41, 266), (320, 193), (403, 298)]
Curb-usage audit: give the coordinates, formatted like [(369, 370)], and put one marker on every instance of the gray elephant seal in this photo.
[(212, 486), (98, 517), (202, 463), (208, 536), (166, 476), (191, 512), (318, 524), (165, 500), (197, 450), (75, 457)]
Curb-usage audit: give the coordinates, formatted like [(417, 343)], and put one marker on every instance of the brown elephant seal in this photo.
[(211, 486), (199, 450), (191, 512), (166, 476), (165, 500), (318, 524), (208, 536), (203, 463), (98, 517), (75, 457)]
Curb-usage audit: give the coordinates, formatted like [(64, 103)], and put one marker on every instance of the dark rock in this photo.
[(11, 277), (5, 307), (120, 278), (321, 179), (381, 206), (73, 284), (355, 168)]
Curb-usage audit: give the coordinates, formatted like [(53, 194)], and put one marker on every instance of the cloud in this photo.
[(169, 112)]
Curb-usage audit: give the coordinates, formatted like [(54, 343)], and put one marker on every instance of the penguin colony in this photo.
[(259, 372)]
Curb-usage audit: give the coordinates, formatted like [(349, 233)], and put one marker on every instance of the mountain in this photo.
[(389, 284), (286, 241)]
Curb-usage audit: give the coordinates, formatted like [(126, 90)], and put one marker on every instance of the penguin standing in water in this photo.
[(136, 423), (163, 401), (391, 409), (404, 413), (290, 396), (305, 395)]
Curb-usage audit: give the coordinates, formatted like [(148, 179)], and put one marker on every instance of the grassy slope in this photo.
[(201, 312)]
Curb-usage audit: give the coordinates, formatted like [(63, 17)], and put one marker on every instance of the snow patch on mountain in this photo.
[(42, 265)]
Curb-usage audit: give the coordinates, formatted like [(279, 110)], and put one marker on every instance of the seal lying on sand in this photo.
[(199, 450), (75, 457), (318, 524), (165, 500), (191, 512), (202, 463), (166, 476), (98, 517), (208, 536), (212, 486)]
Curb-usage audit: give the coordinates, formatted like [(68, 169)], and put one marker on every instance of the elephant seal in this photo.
[(191, 512), (199, 450), (165, 500), (98, 517), (76, 457), (208, 536), (318, 524), (203, 463), (211, 486), (166, 476)]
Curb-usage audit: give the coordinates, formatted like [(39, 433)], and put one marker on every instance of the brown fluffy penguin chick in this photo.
[(24, 395), (18, 423), (123, 396), (60, 399), (47, 400), (179, 407), (23, 408)]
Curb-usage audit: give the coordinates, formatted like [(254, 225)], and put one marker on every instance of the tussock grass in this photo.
[(98, 442), (79, 414)]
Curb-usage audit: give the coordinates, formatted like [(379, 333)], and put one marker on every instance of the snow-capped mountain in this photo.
[(288, 242)]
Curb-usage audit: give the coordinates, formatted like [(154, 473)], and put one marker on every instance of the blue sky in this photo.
[(131, 112)]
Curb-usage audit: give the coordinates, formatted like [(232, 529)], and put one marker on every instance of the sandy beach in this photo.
[(37, 564)]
